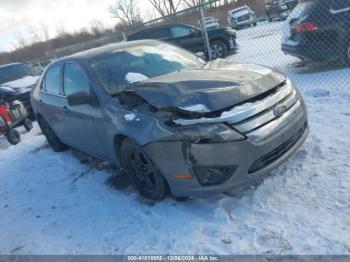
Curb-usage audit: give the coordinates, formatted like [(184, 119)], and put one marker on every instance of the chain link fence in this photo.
[(306, 39)]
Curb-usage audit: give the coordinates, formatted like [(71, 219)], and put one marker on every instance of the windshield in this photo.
[(135, 64), (15, 72), (240, 12)]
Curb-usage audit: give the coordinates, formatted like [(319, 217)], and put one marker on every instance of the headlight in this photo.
[(211, 133)]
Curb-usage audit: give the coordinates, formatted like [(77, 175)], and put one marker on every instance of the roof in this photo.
[(111, 48), (240, 8), (158, 27), (8, 65)]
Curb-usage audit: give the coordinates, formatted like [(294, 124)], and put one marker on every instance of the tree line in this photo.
[(38, 45)]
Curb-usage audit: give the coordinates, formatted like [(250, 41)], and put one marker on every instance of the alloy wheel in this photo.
[(142, 169), (217, 51)]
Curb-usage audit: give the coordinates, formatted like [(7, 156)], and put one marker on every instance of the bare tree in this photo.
[(126, 11), (97, 27), (45, 32), (191, 3), (22, 42), (166, 7), (60, 30)]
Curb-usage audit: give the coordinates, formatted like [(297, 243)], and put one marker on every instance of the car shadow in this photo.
[(317, 67)]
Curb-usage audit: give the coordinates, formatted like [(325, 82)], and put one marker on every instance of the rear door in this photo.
[(81, 121), (52, 100), (188, 38), (160, 33)]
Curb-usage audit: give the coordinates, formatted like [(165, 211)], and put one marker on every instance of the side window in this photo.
[(52, 80), (340, 5), (159, 33), (179, 31), (74, 79)]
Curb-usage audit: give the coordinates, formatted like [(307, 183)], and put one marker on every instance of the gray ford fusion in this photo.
[(169, 119)]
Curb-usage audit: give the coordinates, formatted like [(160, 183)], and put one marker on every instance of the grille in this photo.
[(263, 116), (277, 153), (266, 116), (243, 18)]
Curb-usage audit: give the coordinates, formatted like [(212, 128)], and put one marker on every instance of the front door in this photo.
[(81, 120)]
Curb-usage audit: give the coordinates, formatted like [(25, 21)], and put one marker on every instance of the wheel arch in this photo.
[(117, 142), (220, 39)]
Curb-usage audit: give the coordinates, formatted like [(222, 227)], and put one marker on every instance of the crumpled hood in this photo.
[(19, 86), (219, 85)]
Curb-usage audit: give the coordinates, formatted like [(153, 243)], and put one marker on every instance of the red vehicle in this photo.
[(11, 116)]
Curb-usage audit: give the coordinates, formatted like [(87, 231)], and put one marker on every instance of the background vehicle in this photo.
[(222, 40), (319, 30), (11, 116), (279, 9), (211, 23), (169, 118), (16, 81), (241, 17)]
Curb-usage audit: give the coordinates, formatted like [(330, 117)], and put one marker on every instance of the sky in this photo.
[(19, 17)]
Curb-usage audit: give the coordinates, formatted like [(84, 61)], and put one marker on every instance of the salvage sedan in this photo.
[(16, 82), (169, 119)]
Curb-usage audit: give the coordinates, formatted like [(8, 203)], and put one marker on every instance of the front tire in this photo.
[(141, 171), (13, 137), (53, 140), (218, 50)]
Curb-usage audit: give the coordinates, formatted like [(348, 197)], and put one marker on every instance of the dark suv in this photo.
[(222, 40), (280, 9), (16, 81), (319, 30)]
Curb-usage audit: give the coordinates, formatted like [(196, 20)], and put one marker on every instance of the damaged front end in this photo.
[(212, 148)]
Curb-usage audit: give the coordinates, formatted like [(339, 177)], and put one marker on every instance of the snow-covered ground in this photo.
[(50, 203)]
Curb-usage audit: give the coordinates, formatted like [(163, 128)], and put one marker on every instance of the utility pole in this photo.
[(205, 33)]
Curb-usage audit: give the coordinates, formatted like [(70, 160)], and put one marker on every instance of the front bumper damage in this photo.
[(271, 136), (179, 159)]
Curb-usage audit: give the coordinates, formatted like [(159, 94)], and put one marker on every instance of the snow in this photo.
[(24, 82), (50, 203), (196, 108), (129, 117), (135, 77), (8, 89)]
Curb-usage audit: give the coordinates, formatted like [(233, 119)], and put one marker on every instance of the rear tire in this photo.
[(13, 136), (141, 171), (28, 125), (55, 143), (218, 49)]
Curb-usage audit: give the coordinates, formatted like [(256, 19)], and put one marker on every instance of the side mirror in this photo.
[(79, 98)]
